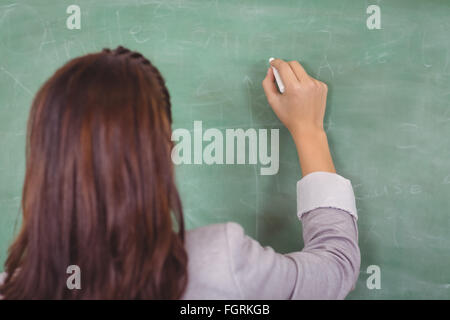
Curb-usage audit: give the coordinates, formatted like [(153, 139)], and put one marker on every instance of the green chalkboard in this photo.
[(388, 112)]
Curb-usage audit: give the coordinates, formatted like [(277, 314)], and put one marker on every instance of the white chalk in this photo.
[(277, 77)]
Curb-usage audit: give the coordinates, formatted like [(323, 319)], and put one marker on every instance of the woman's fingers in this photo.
[(299, 71), (286, 73), (269, 86)]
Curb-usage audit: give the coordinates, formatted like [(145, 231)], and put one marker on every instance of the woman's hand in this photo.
[(301, 108)]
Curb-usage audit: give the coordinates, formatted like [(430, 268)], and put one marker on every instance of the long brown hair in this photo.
[(99, 187)]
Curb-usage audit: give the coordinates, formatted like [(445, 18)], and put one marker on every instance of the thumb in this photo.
[(269, 86)]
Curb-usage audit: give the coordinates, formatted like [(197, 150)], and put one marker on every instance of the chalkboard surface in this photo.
[(388, 112)]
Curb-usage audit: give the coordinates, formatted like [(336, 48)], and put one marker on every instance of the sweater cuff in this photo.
[(325, 190)]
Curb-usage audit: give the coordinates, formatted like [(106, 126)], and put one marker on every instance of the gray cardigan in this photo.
[(224, 263)]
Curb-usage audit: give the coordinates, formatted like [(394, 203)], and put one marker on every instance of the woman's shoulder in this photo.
[(2, 277), (212, 236), (214, 244), (210, 252)]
